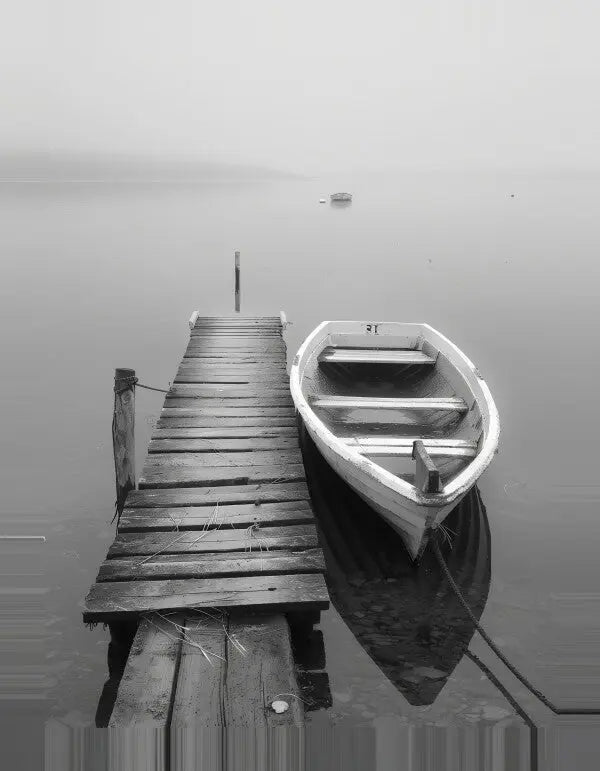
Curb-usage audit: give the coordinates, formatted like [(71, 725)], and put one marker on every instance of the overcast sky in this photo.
[(306, 86)]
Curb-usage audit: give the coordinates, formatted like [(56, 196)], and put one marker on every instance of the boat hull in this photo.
[(409, 519)]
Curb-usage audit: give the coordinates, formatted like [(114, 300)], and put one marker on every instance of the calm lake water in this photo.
[(97, 276)]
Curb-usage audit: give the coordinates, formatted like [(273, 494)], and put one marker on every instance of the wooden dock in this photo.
[(216, 553)]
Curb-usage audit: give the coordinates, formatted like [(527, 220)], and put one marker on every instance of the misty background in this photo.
[(141, 143), (310, 87)]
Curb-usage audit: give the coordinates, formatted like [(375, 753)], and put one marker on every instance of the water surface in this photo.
[(98, 276)]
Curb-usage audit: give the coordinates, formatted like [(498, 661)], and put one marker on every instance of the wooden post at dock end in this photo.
[(237, 282), (123, 434)]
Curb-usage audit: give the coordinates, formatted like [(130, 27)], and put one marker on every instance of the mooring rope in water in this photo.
[(532, 689), (133, 382)]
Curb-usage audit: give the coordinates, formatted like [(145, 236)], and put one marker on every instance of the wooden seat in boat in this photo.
[(364, 402), (389, 446), (374, 356)]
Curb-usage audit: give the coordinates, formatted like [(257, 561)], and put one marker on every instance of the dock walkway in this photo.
[(221, 529)]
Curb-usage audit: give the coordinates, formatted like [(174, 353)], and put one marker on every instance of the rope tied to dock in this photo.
[(132, 382), (511, 667)]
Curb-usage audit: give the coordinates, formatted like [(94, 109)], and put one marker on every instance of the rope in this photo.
[(530, 687), (533, 734), (132, 382)]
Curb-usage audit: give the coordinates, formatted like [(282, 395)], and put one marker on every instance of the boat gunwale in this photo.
[(463, 481)]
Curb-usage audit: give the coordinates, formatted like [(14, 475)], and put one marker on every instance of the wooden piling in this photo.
[(237, 282), (123, 434)]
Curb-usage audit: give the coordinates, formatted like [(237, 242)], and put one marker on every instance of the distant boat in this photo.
[(401, 414), (322, 200), (341, 196)]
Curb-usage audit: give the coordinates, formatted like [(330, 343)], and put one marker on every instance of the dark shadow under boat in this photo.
[(404, 615)]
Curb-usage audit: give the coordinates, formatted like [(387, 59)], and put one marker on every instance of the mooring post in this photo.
[(123, 434), (237, 282)]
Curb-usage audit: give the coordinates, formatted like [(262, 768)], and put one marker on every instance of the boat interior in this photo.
[(379, 395)]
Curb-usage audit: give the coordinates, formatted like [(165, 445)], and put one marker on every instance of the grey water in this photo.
[(104, 275)]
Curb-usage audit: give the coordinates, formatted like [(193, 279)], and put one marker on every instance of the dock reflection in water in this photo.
[(405, 616)]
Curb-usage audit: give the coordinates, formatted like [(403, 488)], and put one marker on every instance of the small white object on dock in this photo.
[(284, 321), (193, 319), (280, 707)]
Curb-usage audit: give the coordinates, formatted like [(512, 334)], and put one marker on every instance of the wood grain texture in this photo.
[(123, 434), (266, 391), (213, 565), (242, 405), (146, 688), (251, 444), (237, 432), (200, 517), (296, 537), (200, 460), (115, 600), (210, 496), (227, 412), (261, 674), (202, 672), (194, 476), (216, 421)]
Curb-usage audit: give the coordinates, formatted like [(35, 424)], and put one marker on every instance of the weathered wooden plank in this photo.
[(216, 421), (235, 334), (212, 565), (229, 391), (237, 432), (207, 496), (262, 673), (217, 459), (222, 475), (227, 412), (223, 445), (241, 343), (201, 517), (114, 600), (146, 688), (217, 401), (273, 380), (202, 671), (208, 358), (296, 537)]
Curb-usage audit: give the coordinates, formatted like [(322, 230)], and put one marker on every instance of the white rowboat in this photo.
[(401, 414)]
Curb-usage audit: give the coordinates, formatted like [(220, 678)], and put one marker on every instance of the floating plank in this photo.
[(223, 445), (237, 432), (222, 475), (259, 674), (201, 517), (295, 537), (213, 565), (207, 496), (198, 698), (145, 690), (218, 459), (374, 356), (362, 402), (115, 600), (217, 401), (225, 422)]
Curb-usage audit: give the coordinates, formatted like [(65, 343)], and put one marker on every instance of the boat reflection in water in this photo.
[(405, 616)]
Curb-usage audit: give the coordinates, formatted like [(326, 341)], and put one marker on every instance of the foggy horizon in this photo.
[(324, 88)]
